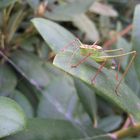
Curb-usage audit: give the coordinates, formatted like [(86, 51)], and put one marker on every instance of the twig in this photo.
[(114, 39), (125, 132)]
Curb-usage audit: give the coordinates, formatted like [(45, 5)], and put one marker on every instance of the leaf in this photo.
[(32, 71), (5, 3), (23, 102), (30, 92), (104, 87), (122, 43), (130, 78), (33, 4), (135, 38), (14, 23), (82, 22), (104, 26), (50, 129), (110, 123), (105, 83), (130, 139), (53, 72), (103, 9), (12, 117), (60, 100), (56, 36), (28, 44), (8, 79), (64, 11), (88, 99)]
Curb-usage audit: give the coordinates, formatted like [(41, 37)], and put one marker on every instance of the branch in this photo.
[(125, 132), (114, 39)]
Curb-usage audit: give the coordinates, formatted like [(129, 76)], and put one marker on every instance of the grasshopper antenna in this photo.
[(68, 45)]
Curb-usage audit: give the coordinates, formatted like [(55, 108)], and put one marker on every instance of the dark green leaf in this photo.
[(130, 78), (8, 79), (34, 4), (49, 129), (56, 36), (23, 102), (110, 123), (5, 3), (130, 139), (30, 66), (65, 11), (105, 83), (122, 43), (60, 99), (14, 23), (136, 39), (88, 99), (12, 117), (82, 22), (28, 44)]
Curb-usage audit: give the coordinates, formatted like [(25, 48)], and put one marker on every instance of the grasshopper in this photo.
[(101, 56)]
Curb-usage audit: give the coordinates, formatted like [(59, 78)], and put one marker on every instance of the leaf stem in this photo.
[(125, 132)]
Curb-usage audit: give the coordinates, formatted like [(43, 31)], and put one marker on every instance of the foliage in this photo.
[(59, 101)]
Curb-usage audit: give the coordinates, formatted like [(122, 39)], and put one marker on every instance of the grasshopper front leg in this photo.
[(81, 61), (99, 70)]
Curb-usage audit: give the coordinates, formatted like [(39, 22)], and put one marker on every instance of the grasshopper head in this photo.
[(97, 47)]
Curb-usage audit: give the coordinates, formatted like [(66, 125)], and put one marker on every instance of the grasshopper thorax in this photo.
[(93, 47), (95, 51)]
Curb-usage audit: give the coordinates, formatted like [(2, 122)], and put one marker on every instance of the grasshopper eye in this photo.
[(114, 65)]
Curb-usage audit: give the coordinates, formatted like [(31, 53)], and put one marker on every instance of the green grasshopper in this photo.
[(101, 56)]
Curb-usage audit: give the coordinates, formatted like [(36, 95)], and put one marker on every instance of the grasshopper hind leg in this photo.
[(126, 71)]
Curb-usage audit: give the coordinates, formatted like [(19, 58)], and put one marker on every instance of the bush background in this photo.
[(51, 100)]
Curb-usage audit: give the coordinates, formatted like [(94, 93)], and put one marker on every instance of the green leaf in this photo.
[(55, 35), (65, 11), (60, 100), (122, 43), (33, 4), (14, 23), (110, 123), (5, 3), (104, 26), (103, 9), (30, 66), (130, 78), (88, 99), (53, 72), (49, 129), (130, 139), (82, 22), (105, 82), (135, 38), (8, 79), (30, 92), (12, 117), (23, 102), (105, 107), (28, 44)]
